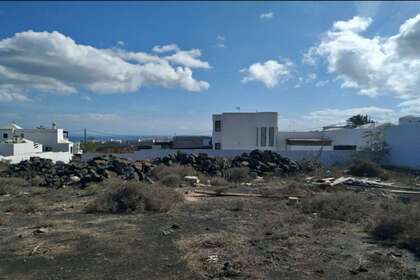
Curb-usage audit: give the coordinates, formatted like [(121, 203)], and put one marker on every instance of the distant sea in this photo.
[(79, 138)]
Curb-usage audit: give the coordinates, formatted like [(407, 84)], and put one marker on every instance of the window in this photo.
[(257, 138), (71, 150), (217, 146), (345, 147), (263, 136), (271, 136), (5, 136), (47, 149), (218, 125), (22, 135)]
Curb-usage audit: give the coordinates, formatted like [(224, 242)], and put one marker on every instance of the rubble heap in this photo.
[(99, 168)]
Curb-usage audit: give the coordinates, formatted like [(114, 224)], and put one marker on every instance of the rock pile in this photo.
[(97, 169), (46, 173)]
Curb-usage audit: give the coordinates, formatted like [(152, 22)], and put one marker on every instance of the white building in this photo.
[(409, 119), (245, 131), (17, 143)]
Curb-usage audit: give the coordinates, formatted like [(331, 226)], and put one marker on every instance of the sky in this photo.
[(163, 68)]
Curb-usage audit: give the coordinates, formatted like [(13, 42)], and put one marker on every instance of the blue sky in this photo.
[(103, 65)]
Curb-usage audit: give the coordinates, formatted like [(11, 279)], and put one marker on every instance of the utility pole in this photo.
[(84, 133)]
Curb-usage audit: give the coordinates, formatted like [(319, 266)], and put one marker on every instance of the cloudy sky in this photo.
[(164, 68)]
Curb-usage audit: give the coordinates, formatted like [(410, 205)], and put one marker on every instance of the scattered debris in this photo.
[(35, 249)]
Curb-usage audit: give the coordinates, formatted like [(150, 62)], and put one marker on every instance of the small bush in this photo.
[(364, 168), (400, 223), (237, 174), (11, 185), (4, 165), (162, 170), (135, 197), (171, 180), (342, 206), (218, 181)]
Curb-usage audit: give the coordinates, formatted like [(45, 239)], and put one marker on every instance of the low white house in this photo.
[(17, 143), (245, 131)]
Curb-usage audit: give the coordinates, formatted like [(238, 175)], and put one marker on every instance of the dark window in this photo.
[(71, 150), (271, 136), (345, 147), (217, 146), (218, 125), (22, 135), (263, 136), (257, 137), (5, 136), (47, 149)]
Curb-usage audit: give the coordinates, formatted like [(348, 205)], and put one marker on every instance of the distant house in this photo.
[(191, 142), (20, 143), (245, 131)]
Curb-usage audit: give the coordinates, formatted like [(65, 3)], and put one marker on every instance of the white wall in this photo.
[(26, 148), (54, 156), (239, 130), (404, 144), (48, 137)]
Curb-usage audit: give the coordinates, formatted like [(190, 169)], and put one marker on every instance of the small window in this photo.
[(271, 136), (257, 138), (263, 136), (47, 149), (71, 150), (22, 135), (5, 136), (345, 147), (218, 125), (217, 146)]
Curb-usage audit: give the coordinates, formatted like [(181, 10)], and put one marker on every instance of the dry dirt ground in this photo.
[(44, 234)]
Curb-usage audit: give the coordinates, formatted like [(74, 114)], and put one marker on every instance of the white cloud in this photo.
[(120, 43), (87, 98), (220, 38), (311, 77), (166, 48), (88, 117), (267, 15), (270, 73), (335, 116), (410, 107), (52, 62), (322, 83), (188, 59), (374, 66), (9, 94), (220, 45)]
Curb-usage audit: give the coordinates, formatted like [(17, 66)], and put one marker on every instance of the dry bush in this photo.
[(162, 170), (237, 174), (3, 221), (12, 185), (4, 165), (218, 181), (365, 168), (400, 223), (171, 180), (343, 206), (135, 197)]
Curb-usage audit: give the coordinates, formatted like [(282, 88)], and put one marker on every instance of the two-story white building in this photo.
[(245, 131), (17, 143)]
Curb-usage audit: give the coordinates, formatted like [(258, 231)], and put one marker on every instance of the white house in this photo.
[(17, 143), (245, 131)]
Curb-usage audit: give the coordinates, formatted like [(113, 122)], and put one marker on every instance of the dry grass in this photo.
[(171, 180), (135, 197), (23, 205), (342, 206), (12, 185), (400, 223), (237, 174), (182, 170), (221, 255), (218, 181)]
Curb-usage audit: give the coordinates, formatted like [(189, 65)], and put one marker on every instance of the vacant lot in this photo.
[(73, 233)]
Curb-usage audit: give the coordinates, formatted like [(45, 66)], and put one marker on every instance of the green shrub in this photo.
[(11, 185), (342, 206), (365, 168), (171, 180), (237, 174), (135, 197)]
